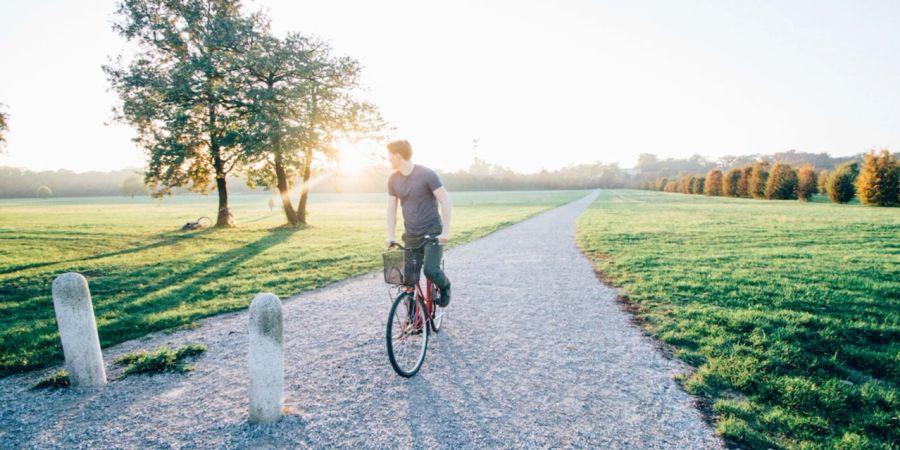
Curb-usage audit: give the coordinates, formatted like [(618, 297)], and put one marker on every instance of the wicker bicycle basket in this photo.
[(401, 267)]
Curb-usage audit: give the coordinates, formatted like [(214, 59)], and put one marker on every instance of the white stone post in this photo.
[(78, 331), (266, 359)]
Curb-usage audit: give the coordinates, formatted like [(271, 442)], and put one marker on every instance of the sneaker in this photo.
[(444, 299)]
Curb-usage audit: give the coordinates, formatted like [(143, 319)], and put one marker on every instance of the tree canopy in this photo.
[(212, 92), (878, 182), (303, 101), (183, 90)]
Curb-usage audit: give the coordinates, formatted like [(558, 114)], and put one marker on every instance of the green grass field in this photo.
[(789, 311), (146, 276)]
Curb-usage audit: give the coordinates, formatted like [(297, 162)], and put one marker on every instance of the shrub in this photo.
[(56, 380), (730, 183), (878, 182), (700, 185), (671, 186), (822, 182), (661, 183), (806, 182), (758, 178), (713, 185), (841, 184), (684, 184), (43, 192), (743, 189), (164, 359), (782, 182)]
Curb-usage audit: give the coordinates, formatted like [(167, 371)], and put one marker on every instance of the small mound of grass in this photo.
[(56, 380), (164, 359)]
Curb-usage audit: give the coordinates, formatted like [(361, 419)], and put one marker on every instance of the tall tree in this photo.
[(713, 185), (743, 188), (332, 111), (822, 182), (182, 91), (782, 182), (807, 183), (842, 182), (759, 177), (302, 103), (275, 70), (684, 184), (878, 182), (731, 183)]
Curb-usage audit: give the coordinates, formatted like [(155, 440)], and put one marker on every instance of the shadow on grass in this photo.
[(172, 239), (190, 283), (125, 302)]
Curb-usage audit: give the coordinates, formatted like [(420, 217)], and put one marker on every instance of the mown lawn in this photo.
[(789, 311), (145, 275)]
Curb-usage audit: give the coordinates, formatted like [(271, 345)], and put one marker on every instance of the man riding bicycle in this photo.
[(419, 190)]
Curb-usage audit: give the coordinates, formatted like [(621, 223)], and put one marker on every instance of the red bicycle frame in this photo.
[(426, 296)]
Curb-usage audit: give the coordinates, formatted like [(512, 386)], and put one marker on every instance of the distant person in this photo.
[(419, 190), (271, 204)]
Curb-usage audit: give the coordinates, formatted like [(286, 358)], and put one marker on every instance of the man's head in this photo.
[(398, 152)]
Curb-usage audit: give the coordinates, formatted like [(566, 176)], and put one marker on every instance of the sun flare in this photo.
[(353, 159)]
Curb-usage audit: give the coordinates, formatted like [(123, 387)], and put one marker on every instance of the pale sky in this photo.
[(539, 84)]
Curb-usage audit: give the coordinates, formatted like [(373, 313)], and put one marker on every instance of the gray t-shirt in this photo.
[(416, 194)]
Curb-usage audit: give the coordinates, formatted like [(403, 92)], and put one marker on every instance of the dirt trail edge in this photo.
[(535, 353)]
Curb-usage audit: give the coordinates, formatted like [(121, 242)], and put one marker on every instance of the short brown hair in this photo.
[(401, 148)]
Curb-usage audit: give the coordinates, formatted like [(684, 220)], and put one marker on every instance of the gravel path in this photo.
[(535, 353)]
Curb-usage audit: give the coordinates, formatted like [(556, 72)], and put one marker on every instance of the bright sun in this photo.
[(354, 158)]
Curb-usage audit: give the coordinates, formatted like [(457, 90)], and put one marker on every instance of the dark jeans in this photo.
[(432, 253)]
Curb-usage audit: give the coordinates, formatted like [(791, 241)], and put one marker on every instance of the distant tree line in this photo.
[(749, 180), (651, 168), (484, 176), (21, 183), (875, 180)]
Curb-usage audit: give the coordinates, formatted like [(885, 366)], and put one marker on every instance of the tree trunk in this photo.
[(283, 190), (224, 218), (304, 188)]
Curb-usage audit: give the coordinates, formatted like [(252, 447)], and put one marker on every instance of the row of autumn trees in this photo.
[(212, 93), (875, 182)]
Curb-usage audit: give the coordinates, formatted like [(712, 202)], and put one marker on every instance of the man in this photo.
[(419, 190)]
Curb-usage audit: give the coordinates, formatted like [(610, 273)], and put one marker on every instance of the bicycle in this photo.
[(413, 313)]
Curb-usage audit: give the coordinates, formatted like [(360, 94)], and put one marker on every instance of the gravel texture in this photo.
[(535, 352)]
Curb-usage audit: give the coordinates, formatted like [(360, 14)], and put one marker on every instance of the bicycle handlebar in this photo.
[(427, 238)]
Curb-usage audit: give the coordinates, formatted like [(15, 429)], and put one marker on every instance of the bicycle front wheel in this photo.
[(437, 316), (407, 334)]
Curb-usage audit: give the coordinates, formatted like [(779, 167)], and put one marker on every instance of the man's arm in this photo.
[(391, 220), (446, 212)]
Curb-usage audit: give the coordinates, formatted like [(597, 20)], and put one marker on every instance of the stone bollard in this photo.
[(266, 359), (78, 331)]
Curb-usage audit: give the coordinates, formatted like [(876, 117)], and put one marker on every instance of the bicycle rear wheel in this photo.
[(407, 334)]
